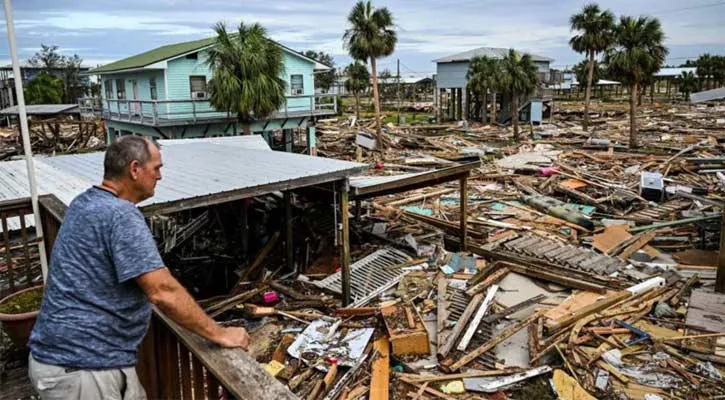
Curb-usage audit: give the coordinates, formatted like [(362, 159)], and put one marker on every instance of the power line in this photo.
[(720, 3)]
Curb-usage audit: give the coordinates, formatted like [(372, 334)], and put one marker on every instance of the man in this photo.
[(104, 271)]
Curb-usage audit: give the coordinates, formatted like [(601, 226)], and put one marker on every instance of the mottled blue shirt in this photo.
[(94, 314)]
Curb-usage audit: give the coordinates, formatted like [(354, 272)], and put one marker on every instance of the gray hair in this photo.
[(122, 152)]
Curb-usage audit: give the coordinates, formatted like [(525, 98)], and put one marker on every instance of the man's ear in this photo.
[(133, 169)]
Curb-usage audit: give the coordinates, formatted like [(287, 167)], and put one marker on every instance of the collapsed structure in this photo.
[(564, 266)]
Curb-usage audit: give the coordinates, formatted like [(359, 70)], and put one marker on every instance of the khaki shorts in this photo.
[(54, 382)]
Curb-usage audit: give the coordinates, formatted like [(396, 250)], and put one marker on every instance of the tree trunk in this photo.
[(515, 116), (376, 102), (588, 94), (357, 105), (632, 119), (484, 107), (493, 107)]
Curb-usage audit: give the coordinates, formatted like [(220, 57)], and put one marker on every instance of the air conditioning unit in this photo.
[(198, 95), (298, 92)]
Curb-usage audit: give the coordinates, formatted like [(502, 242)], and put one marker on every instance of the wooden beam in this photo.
[(464, 211), (380, 380), (345, 244), (505, 334), (720, 278), (445, 348)]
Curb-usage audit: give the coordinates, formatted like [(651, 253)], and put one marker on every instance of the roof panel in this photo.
[(42, 109), (493, 52), (191, 171)]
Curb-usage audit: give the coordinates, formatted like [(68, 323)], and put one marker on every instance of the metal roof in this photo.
[(373, 186), (493, 52), (675, 71), (708, 95), (42, 109), (195, 174), (250, 142)]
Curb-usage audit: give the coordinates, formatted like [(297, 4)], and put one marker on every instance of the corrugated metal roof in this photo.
[(708, 95), (367, 181), (251, 142), (493, 52), (190, 171), (675, 71), (42, 109)]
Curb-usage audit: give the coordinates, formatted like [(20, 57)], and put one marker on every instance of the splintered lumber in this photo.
[(641, 240), (442, 312), (477, 318), (449, 377), (505, 334), (418, 197), (541, 273), (514, 309), (224, 305), (556, 325), (490, 280), (445, 348), (380, 380), (427, 389), (262, 255)]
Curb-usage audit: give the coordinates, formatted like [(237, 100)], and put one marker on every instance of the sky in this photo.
[(103, 31)]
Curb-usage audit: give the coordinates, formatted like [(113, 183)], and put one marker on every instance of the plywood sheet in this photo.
[(612, 237), (706, 311)]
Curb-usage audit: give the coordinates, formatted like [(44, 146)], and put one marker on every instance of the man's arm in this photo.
[(166, 293)]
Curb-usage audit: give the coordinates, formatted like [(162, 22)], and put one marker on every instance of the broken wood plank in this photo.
[(641, 240), (473, 326), (505, 334), (490, 280), (380, 379), (445, 348)]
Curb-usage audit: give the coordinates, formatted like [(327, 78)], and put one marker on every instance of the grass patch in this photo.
[(23, 302)]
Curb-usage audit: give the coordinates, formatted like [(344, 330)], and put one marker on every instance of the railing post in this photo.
[(128, 109), (312, 103), (155, 108), (118, 106), (140, 109), (334, 103)]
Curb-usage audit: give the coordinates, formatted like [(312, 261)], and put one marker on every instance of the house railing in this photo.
[(169, 112), (173, 363)]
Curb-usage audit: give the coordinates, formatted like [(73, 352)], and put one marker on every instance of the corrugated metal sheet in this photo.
[(42, 109), (250, 142), (708, 95), (671, 72), (493, 52), (191, 170), (367, 181)]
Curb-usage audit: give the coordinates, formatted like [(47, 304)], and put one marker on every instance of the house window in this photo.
[(297, 85), (109, 88), (198, 87), (152, 88), (192, 56), (120, 89)]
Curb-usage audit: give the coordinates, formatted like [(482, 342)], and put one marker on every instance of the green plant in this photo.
[(639, 52), (247, 72), (370, 36), (687, 83), (357, 82), (484, 74), (520, 78), (44, 89), (596, 34)]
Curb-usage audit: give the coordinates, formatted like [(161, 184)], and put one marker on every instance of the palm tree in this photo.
[(705, 66), (358, 80), (520, 78), (247, 73), (581, 72), (687, 83), (484, 75), (370, 36), (596, 29), (638, 53)]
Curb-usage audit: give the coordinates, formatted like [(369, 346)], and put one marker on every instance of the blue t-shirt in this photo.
[(94, 314)]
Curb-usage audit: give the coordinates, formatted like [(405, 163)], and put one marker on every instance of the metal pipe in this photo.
[(25, 133)]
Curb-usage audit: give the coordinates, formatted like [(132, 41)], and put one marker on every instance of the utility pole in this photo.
[(398, 91), (25, 134)]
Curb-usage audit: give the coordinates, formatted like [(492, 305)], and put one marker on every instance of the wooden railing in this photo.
[(177, 364), (170, 112), (173, 363)]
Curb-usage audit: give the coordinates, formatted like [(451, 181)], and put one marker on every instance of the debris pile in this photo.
[(588, 269)]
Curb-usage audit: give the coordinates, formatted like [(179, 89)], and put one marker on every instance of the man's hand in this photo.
[(233, 337)]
